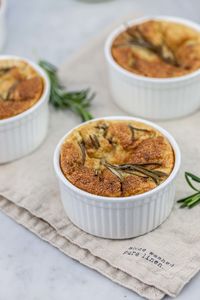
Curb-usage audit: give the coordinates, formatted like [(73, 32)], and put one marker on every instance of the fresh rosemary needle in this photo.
[(76, 101), (193, 199), (94, 140), (83, 150)]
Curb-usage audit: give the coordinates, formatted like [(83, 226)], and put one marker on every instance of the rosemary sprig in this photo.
[(193, 199), (153, 174), (162, 51), (133, 129), (136, 169), (77, 101)]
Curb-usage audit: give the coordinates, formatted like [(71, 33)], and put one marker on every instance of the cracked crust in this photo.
[(20, 87), (176, 41), (117, 145)]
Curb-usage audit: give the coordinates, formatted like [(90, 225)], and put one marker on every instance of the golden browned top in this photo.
[(20, 87), (116, 158), (158, 49)]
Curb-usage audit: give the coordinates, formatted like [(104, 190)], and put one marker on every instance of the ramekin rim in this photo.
[(43, 97), (131, 75), (171, 177)]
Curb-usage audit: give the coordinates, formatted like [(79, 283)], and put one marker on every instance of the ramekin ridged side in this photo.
[(152, 98), (3, 5), (118, 217), (23, 133)]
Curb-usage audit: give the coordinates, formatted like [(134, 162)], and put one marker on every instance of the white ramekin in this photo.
[(153, 98), (118, 217), (23, 133), (2, 23)]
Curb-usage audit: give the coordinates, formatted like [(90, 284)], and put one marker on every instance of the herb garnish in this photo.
[(140, 170), (116, 172), (133, 129), (194, 199), (81, 144), (94, 141), (162, 51), (77, 101)]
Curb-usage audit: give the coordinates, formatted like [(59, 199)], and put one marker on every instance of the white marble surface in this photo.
[(30, 268)]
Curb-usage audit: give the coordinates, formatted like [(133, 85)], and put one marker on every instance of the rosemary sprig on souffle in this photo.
[(133, 129), (140, 170), (163, 51), (193, 199), (76, 101)]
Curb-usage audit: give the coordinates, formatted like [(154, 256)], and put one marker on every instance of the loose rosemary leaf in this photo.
[(193, 199), (188, 177), (187, 199), (194, 202), (76, 101)]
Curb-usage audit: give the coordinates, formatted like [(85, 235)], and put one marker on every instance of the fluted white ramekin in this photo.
[(2, 23), (23, 133), (153, 98), (118, 217)]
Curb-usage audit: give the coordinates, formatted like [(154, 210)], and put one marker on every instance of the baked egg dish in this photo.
[(20, 87), (158, 48), (116, 158)]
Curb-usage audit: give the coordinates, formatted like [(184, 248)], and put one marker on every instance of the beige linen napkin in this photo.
[(153, 265)]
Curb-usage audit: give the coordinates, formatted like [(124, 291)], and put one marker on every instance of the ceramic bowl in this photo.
[(152, 98), (118, 217), (23, 133)]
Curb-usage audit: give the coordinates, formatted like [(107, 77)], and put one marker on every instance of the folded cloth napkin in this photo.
[(153, 265)]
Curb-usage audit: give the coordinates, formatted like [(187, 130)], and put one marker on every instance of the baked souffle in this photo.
[(20, 87), (158, 48), (116, 158)]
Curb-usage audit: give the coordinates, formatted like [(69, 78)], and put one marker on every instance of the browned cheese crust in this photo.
[(116, 158), (20, 87), (158, 49)]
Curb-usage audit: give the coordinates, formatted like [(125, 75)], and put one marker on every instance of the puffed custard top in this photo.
[(20, 87), (116, 158), (159, 49)]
